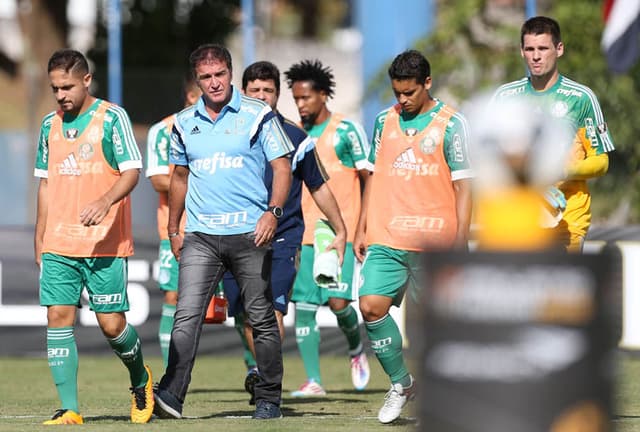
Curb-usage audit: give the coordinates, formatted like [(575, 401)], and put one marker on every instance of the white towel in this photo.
[(326, 266)]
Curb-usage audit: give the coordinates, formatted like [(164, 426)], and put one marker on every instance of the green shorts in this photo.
[(105, 278), (389, 272), (305, 289), (168, 268)]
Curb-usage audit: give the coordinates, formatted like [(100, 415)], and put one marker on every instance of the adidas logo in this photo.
[(405, 158), (195, 130), (70, 166), (408, 162)]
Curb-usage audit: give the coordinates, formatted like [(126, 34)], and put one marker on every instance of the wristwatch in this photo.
[(276, 211)]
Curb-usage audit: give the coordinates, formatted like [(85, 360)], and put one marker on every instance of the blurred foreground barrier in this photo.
[(516, 342)]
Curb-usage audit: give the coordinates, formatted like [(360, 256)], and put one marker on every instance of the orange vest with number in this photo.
[(78, 174), (163, 201), (412, 204), (344, 183)]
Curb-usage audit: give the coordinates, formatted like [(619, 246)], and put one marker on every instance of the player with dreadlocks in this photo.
[(342, 146)]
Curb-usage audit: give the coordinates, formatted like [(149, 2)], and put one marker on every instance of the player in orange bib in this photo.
[(418, 198), (342, 148), (88, 163)]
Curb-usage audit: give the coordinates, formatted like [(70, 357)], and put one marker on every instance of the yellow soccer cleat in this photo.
[(65, 417), (142, 401)]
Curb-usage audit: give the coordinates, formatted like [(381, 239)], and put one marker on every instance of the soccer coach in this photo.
[(220, 147)]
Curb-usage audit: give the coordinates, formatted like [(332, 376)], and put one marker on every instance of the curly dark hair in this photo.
[(320, 77)]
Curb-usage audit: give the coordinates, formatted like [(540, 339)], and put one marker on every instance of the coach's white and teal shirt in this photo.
[(227, 158), (118, 143)]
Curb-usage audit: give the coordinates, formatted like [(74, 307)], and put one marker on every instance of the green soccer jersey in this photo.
[(570, 101), (455, 140), (158, 144), (350, 142), (576, 105), (118, 143)]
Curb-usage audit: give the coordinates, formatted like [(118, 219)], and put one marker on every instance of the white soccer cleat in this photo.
[(309, 388), (395, 399), (360, 371)]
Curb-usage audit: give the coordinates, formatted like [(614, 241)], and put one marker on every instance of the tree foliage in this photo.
[(157, 38), (475, 46)]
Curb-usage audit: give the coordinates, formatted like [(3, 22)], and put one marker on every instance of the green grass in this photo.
[(217, 401), (627, 395), (216, 398)]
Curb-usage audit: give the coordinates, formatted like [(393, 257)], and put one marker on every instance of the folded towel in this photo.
[(326, 267)]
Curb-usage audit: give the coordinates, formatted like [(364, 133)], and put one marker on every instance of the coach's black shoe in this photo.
[(266, 410), (167, 405), (253, 376)]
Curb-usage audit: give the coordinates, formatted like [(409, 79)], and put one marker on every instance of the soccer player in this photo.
[(418, 198), (88, 163), (342, 148), (261, 80), (158, 171), (541, 47), (220, 148)]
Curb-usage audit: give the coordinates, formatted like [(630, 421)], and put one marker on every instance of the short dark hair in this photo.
[(262, 70), (410, 64), (189, 85), (541, 25), (68, 60), (320, 77), (210, 52)]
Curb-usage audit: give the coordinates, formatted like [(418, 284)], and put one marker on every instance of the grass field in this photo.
[(216, 400)]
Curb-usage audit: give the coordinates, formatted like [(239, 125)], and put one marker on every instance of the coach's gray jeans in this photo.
[(203, 260)]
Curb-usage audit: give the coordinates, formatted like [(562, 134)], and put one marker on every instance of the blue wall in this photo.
[(16, 173), (388, 28)]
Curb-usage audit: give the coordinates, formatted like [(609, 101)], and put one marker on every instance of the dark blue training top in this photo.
[(305, 168)]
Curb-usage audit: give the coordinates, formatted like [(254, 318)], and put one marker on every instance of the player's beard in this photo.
[(309, 120)]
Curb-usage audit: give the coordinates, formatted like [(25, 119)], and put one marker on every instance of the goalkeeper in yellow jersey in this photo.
[(574, 103)]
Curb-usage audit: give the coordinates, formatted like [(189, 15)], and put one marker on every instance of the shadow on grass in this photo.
[(91, 419), (215, 390), (362, 392), (334, 395), (402, 421), (311, 399), (286, 412)]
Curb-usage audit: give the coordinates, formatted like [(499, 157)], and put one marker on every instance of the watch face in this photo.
[(277, 212)]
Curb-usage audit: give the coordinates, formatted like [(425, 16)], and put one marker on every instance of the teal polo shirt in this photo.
[(227, 159)]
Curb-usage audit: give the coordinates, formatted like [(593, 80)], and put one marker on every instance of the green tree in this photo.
[(157, 38)]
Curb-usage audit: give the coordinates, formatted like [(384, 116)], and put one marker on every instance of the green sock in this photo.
[(62, 353), (348, 323), (386, 342), (164, 330), (308, 339), (249, 360), (127, 347)]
